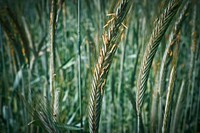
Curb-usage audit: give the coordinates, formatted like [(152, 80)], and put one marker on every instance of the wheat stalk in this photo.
[(167, 58), (52, 30), (171, 86), (79, 62), (104, 62), (168, 52), (178, 107), (56, 105), (169, 99), (193, 57), (192, 68), (154, 108), (197, 110), (158, 32)]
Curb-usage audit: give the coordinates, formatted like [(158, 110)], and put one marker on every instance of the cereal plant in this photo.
[(99, 66)]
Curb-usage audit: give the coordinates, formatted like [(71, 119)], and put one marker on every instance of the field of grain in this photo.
[(99, 66)]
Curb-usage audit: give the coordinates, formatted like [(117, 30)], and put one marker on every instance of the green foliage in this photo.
[(99, 66)]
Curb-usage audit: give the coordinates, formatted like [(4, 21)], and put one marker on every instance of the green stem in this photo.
[(52, 49), (79, 61)]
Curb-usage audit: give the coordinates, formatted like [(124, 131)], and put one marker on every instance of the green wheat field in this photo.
[(99, 66)]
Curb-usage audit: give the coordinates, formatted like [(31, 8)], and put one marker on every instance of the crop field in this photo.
[(100, 66)]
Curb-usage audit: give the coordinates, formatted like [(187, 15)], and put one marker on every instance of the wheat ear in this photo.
[(102, 67), (167, 59), (41, 113), (158, 32)]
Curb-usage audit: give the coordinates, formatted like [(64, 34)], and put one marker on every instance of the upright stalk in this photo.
[(191, 70), (193, 60), (120, 87), (166, 61), (178, 108), (2, 71), (197, 110), (79, 61), (52, 50), (154, 108), (169, 99)]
